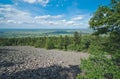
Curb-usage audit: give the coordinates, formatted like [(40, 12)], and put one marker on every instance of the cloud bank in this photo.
[(13, 17)]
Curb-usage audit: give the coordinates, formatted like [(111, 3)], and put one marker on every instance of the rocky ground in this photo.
[(25, 62)]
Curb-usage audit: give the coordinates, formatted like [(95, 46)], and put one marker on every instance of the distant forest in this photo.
[(76, 42), (20, 33)]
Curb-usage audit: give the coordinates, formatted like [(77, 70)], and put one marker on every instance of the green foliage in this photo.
[(66, 42), (98, 43), (77, 38), (116, 59), (60, 43), (107, 19), (99, 66), (71, 47), (40, 42), (86, 42), (77, 41), (49, 44)]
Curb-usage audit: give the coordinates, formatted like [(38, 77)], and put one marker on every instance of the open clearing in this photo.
[(25, 62)]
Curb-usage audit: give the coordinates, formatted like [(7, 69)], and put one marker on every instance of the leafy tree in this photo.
[(76, 38), (86, 44), (49, 44), (107, 19), (77, 41), (66, 42), (60, 42), (38, 43)]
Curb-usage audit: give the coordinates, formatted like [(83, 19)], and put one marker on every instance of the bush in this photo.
[(99, 66)]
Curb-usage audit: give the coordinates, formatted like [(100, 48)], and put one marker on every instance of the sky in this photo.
[(47, 14)]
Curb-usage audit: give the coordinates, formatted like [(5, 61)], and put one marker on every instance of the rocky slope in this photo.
[(25, 62)]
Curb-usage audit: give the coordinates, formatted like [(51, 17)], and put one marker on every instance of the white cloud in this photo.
[(30, 1), (49, 17), (42, 17), (77, 18), (11, 21), (70, 22), (12, 15), (42, 2), (10, 12), (15, 17)]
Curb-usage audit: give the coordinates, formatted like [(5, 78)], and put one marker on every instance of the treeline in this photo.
[(76, 42)]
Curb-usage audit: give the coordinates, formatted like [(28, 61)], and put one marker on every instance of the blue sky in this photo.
[(52, 14)]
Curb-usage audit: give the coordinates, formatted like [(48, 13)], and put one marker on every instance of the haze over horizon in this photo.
[(46, 14)]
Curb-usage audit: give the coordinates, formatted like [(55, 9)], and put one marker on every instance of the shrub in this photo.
[(99, 66)]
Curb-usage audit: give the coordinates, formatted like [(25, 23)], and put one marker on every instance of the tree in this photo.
[(107, 19), (66, 42), (49, 44), (60, 42), (76, 38), (77, 41)]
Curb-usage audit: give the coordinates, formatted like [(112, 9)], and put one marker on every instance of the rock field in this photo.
[(25, 62)]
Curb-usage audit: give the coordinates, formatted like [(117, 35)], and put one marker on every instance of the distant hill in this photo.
[(40, 32)]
